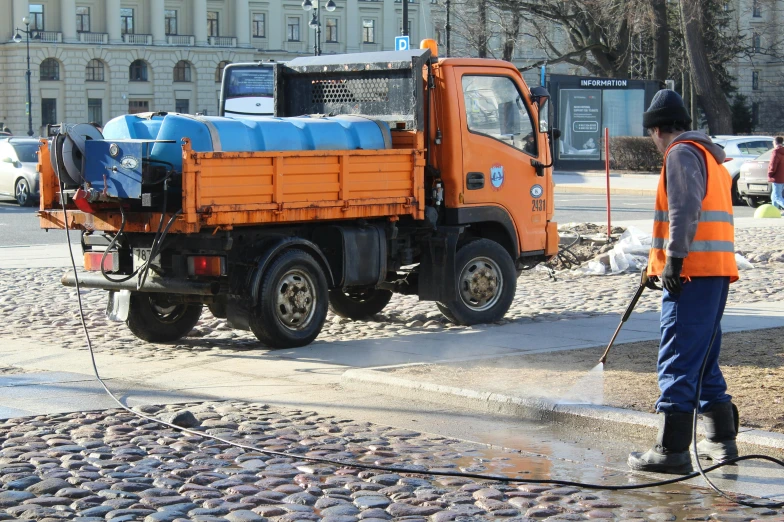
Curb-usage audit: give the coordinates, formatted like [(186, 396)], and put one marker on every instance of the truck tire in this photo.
[(358, 304), (486, 284), (152, 318), (293, 302)]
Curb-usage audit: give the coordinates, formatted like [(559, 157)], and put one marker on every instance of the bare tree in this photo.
[(709, 92)]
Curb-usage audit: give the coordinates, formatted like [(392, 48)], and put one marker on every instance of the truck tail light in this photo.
[(92, 261), (726, 160), (206, 266)]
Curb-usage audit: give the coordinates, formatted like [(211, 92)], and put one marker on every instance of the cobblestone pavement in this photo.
[(34, 305), (112, 465)]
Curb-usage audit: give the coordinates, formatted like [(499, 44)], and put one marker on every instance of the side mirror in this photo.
[(555, 134), (8, 160)]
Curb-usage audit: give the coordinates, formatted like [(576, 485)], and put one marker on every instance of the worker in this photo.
[(693, 256)]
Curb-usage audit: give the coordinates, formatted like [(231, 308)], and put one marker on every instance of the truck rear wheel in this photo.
[(155, 319), (293, 302), (486, 284), (358, 304)]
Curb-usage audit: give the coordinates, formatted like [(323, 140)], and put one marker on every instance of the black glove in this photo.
[(671, 277)]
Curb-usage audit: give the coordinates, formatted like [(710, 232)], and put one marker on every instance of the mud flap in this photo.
[(118, 304), (437, 279)]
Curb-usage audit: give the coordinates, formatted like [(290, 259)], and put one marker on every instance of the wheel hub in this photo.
[(480, 283), (295, 300)]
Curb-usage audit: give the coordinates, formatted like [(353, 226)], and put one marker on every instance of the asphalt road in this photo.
[(19, 226), (577, 208)]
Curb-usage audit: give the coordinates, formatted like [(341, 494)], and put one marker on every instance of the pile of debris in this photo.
[(583, 242)]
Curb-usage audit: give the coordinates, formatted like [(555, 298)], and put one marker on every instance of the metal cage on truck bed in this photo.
[(385, 86)]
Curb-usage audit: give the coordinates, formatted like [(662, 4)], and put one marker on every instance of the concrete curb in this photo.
[(597, 419), (569, 189)]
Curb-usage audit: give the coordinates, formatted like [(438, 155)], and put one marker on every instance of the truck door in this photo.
[(499, 140)]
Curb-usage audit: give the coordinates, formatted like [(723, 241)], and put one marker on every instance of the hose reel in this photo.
[(68, 152)]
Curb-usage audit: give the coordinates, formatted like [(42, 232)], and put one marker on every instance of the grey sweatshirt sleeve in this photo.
[(686, 186)]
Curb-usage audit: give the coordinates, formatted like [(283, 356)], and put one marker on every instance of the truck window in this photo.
[(495, 108)]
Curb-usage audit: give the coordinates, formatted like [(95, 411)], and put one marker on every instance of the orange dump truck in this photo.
[(420, 176)]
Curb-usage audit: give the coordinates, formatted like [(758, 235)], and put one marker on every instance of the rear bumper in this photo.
[(153, 284), (753, 188)]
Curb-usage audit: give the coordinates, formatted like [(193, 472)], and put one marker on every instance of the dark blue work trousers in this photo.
[(688, 322)]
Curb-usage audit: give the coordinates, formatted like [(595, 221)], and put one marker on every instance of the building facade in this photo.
[(92, 60)]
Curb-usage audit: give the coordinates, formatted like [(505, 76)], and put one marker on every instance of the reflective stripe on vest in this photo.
[(716, 216), (712, 251)]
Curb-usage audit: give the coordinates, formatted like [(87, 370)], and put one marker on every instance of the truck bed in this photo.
[(234, 189)]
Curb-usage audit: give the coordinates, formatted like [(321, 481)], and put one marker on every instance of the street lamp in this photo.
[(18, 39), (315, 22)]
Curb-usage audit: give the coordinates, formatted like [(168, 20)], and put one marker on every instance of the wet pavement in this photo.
[(112, 465)]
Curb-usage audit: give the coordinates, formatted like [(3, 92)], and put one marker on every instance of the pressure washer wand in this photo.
[(643, 283)]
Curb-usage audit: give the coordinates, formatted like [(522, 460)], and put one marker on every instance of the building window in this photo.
[(137, 106), (213, 28), (182, 106), (756, 42), (292, 28), (94, 71), (50, 70), (259, 25), (332, 30), (48, 111), (439, 37), (36, 17), (171, 21), (182, 71), (219, 70), (138, 71), (756, 10), (126, 21), (755, 80), (368, 31), (82, 19), (95, 110)]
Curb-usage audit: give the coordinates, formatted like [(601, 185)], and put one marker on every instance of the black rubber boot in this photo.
[(721, 428), (670, 454)]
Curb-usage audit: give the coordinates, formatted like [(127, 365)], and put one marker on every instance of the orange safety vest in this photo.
[(712, 252)]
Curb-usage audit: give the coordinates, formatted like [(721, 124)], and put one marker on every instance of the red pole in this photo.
[(607, 169)]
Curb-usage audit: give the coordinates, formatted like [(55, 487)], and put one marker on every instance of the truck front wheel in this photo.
[(153, 318), (486, 284), (293, 302), (358, 304)]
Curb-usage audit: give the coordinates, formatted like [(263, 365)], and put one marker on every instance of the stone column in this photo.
[(390, 26), (242, 22), (68, 20), (113, 21), (353, 26), (276, 27), (21, 9), (157, 22), (200, 21)]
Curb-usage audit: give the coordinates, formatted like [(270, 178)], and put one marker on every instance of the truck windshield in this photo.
[(248, 91)]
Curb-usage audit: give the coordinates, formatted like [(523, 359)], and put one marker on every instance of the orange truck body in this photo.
[(443, 190)]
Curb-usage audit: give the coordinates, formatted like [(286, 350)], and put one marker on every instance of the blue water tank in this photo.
[(213, 133), (132, 127)]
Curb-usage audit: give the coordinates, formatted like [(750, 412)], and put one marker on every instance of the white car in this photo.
[(18, 169), (740, 149)]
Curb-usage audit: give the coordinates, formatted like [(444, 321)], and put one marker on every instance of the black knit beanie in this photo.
[(666, 108)]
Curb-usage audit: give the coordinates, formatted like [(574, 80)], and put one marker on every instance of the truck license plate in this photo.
[(759, 187), (141, 255)]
